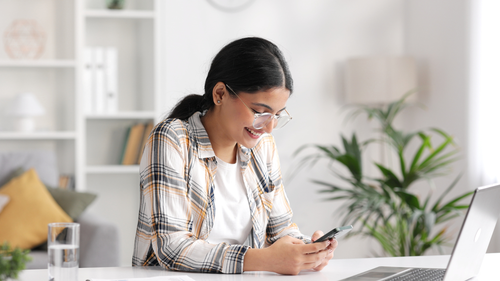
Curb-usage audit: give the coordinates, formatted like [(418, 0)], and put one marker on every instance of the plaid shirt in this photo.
[(177, 207)]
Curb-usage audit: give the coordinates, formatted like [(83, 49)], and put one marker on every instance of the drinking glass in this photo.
[(64, 250)]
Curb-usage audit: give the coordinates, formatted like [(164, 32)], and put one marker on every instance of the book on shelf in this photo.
[(125, 144), (147, 130), (136, 138), (66, 182), (132, 144)]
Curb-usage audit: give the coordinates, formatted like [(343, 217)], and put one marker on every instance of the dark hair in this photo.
[(249, 65)]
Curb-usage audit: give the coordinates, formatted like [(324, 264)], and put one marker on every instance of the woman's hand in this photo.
[(329, 250), (289, 255)]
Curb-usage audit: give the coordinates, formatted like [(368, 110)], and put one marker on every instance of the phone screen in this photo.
[(335, 233)]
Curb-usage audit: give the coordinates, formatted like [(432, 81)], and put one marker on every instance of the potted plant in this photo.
[(386, 207), (12, 261), (115, 4)]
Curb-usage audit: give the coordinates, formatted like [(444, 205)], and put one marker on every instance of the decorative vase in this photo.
[(24, 39)]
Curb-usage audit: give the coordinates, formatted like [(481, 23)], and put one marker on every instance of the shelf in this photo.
[(113, 169), (120, 14), (38, 63), (37, 136), (122, 115)]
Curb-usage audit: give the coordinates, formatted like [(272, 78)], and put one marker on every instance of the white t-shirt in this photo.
[(232, 212)]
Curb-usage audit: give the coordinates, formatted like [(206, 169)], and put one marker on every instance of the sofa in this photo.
[(99, 238)]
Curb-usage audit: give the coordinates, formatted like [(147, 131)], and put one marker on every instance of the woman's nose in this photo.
[(270, 126)]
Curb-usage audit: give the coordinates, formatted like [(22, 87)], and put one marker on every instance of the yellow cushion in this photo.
[(23, 221)]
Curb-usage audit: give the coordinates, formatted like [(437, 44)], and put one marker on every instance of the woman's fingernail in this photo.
[(330, 251)]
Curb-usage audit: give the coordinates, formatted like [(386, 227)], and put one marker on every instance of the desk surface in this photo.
[(337, 269)]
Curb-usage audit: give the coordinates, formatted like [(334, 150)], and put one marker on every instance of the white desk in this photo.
[(337, 269)]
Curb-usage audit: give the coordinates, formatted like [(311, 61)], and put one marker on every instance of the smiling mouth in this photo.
[(253, 132)]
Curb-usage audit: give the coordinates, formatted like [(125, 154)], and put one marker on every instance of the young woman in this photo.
[(212, 197)]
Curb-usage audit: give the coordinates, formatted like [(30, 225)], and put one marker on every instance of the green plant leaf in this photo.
[(448, 140), (410, 199), (390, 178), (12, 261), (436, 207), (426, 143)]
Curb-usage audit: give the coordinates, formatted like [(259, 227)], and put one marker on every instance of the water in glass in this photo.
[(63, 262)]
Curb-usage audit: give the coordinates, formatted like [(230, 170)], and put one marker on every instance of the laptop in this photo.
[(469, 250)]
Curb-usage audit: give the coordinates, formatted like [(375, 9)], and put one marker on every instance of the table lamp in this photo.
[(25, 107), (379, 80)]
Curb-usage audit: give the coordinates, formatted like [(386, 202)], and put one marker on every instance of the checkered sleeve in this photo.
[(172, 212), (280, 220)]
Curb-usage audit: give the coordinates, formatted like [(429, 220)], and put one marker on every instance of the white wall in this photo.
[(316, 37), (437, 33), (484, 92)]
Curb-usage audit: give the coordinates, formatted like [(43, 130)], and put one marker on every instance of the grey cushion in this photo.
[(40, 259), (44, 162), (72, 202), (99, 242)]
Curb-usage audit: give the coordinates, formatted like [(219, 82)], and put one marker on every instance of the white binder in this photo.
[(111, 80), (99, 79), (88, 80)]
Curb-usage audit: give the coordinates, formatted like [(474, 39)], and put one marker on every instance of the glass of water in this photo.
[(64, 251)]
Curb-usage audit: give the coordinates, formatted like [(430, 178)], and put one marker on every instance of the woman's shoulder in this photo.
[(172, 128)]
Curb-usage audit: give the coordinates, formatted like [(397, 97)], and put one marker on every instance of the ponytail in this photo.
[(190, 105)]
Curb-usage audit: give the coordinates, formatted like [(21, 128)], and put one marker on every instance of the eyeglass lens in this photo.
[(261, 121)]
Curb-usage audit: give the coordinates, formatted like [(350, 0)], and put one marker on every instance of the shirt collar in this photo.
[(204, 146)]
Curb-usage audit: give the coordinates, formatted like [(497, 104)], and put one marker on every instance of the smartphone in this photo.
[(335, 233)]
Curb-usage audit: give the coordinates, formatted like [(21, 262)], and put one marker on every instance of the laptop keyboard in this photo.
[(420, 274)]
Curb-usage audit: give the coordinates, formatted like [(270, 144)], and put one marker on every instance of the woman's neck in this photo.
[(223, 147)]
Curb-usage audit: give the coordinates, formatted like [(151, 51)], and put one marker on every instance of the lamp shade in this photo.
[(25, 105), (379, 80)]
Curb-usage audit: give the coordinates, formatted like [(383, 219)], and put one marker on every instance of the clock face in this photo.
[(230, 5)]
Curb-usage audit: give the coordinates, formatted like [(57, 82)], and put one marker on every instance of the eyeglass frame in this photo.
[(258, 114)]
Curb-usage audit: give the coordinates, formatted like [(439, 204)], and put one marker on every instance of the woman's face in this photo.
[(238, 119)]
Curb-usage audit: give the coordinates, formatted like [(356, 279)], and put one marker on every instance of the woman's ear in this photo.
[(219, 93)]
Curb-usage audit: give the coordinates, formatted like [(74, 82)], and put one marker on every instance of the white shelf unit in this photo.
[(133, 31), (52, 78), (120, 14), (87, 145), (123, 115), (53, 135), (113, 169), (40, 63)]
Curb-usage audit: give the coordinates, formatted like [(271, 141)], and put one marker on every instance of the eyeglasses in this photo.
[(262, 119)]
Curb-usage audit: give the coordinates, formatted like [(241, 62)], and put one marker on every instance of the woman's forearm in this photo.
[(256, 260)]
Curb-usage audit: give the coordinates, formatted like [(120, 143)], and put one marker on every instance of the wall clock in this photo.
[(230, 5)]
